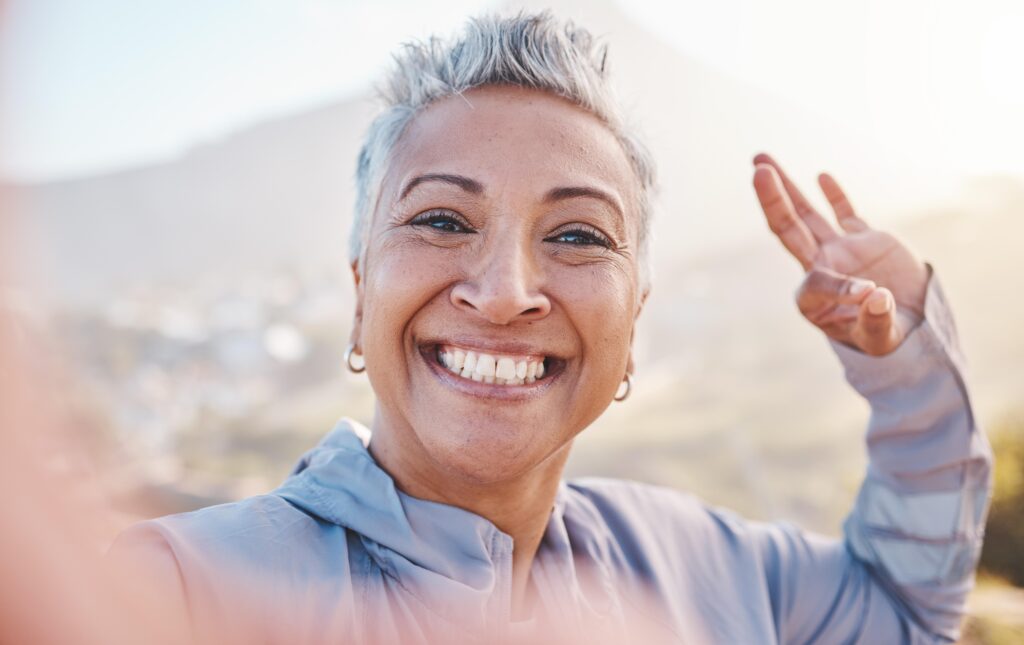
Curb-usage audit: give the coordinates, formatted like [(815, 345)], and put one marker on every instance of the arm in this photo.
[(919, 518), (914, 536)]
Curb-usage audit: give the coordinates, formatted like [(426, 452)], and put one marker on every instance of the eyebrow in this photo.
[(476, 188), (569, 192), (465, 183)]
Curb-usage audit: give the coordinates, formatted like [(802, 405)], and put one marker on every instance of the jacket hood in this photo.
[(452, 560)]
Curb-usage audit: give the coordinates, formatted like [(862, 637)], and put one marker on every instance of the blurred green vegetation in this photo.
[(1003, 553), (996, 613)]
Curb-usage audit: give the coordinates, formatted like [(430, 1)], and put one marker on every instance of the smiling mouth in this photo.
[(496, 369)]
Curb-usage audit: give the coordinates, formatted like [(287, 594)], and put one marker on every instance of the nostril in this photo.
[(461, 301), (500, 302)]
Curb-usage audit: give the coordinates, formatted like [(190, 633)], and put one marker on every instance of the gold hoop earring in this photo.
[(349, 352), (629, 388)]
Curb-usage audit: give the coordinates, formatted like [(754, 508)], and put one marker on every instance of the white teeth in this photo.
[(486, 368), (485, 365), (467, 367), (506, 368)]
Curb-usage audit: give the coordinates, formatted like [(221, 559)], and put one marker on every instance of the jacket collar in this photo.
[(452, 560)]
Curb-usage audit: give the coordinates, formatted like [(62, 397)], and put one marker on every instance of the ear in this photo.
[(630, 365), (357, 320), (641, 302)]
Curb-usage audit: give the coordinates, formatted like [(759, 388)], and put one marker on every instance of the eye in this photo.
[(442, 220), (581, 236)]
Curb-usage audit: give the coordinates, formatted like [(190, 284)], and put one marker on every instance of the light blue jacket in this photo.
[(338, 554)]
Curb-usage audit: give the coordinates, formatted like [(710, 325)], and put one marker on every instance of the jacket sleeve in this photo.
[(914, 536)]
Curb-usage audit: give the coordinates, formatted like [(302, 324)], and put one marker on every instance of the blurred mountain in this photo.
[(281, 191), (274, 194)]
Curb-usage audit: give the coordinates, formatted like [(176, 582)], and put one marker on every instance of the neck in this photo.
[(519, 506)]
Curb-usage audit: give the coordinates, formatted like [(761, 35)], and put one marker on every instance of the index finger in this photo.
[(782, 218), (817, 224)]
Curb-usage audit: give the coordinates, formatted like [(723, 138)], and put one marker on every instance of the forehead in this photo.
[(510, 137)]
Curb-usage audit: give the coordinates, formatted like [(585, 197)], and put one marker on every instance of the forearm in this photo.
[(918, 520)]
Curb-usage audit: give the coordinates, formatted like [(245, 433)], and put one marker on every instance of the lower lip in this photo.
[(483, 390)]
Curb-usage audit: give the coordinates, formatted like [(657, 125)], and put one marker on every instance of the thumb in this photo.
[(877, 332), (825, 294)]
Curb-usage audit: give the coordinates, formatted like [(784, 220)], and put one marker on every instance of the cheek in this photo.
[(601, 301), (399, 282)]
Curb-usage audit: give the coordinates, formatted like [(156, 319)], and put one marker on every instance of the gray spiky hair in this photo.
[(533, 51)]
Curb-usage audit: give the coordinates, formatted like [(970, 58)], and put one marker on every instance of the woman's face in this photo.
[(498, 291)]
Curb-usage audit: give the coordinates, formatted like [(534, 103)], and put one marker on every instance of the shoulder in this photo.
[(679, 525), (244, 519), (649, 506), (259, 566), (264, 532)]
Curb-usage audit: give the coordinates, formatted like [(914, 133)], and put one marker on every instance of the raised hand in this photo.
[(863, 287)]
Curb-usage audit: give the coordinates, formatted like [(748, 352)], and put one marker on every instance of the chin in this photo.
[(490, 453)]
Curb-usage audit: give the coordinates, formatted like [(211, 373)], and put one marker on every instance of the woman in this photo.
[(500, 253)]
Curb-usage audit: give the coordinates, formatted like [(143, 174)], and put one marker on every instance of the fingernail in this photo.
[(879, 305), (858, 287)]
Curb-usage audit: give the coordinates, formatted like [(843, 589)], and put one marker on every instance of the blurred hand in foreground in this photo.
[(862, 286)]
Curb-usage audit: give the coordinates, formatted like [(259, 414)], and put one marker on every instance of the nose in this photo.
[(504, 286)]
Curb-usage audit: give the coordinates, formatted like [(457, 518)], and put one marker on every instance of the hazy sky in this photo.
[(100, 84)]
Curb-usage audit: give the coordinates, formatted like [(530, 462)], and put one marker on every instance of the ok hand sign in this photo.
[(863, 287)]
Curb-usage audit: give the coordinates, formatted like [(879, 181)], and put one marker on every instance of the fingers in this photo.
[(818, 225), (845, 215), (782, 218), (877, 331), (826, 297), (851, 309)]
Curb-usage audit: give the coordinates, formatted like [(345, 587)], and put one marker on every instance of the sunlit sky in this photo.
[(88, 86)]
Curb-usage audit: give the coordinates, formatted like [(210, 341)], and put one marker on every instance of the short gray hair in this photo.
[(534, 51)]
